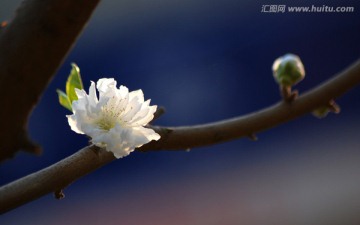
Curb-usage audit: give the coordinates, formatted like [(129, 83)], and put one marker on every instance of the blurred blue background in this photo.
[(206, 61)]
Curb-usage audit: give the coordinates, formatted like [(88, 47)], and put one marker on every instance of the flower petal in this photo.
[(74, 124), (139, 94), (144, 116), (131, 110), (106, 86)]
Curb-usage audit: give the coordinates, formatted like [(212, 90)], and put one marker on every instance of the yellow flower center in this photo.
[(106, 123), (110, 116)]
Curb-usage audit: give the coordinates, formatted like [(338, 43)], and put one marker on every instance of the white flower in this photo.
[(116, 120)]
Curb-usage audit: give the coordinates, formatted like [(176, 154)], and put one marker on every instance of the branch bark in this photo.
[(33, 45), (58, 176)]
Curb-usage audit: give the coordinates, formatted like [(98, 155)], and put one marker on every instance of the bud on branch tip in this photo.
[(288, 70)]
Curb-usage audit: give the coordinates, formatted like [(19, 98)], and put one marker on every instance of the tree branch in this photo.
[(247, 125), (32, 47), (58, 176)]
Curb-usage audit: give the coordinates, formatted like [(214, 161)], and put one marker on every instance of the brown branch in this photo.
[(53, 178), (58, 176), (32, 47), (208, 134)]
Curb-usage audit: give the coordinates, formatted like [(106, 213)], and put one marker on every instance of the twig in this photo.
[(88, 159), (158, 113), (32, 47), (288, 94)]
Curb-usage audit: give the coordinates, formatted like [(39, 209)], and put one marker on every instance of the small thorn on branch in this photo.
[(59, 194), (287, 94)]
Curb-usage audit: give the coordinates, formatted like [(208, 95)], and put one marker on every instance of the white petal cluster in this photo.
[(116, 119)]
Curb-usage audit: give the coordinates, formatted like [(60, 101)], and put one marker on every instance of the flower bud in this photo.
[(288, 70), (321, 112)]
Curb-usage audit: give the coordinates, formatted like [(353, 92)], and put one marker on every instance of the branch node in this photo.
[(59, 194)]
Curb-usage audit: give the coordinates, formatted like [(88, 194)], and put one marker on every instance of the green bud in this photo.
[(288, 70), (322, 111)]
